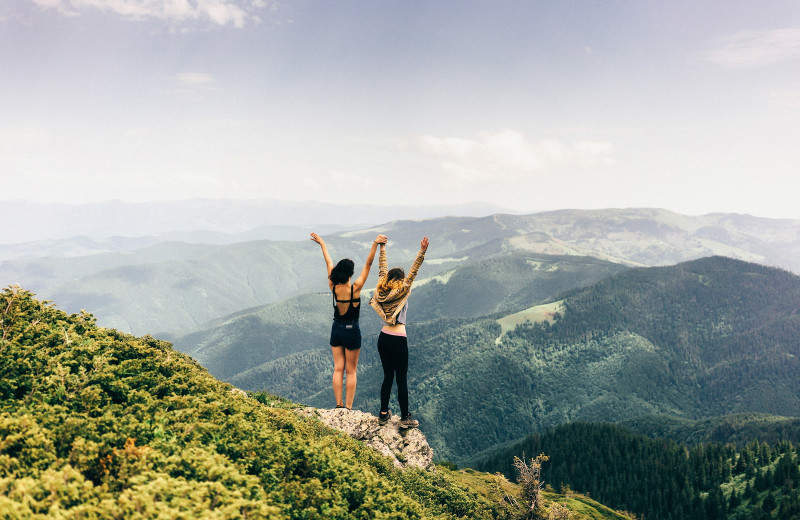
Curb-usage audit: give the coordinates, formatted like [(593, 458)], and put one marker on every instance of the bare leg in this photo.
[(338, 373), (352, 365)]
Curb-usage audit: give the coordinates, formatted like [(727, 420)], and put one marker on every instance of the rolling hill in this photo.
[(513, 281)]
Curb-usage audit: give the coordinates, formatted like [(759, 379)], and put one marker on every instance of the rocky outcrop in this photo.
[(405, 447)]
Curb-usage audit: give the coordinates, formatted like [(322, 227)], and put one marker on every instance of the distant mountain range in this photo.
[(174, 287), (202, 219), (86, 246)]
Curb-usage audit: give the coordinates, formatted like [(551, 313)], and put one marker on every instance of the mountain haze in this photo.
[(175, 287), (100, 220)]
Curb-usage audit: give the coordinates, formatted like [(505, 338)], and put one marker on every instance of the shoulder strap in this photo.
[(350, 301), (337, 300)]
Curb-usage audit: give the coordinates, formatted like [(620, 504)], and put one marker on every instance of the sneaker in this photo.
[(383, 418), (407, 421)]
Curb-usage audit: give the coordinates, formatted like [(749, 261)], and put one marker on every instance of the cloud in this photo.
[(785, 99), (754, 48), (338, 178), (236, 13), (508, 154), (191, 83), (194, 79), (60, 5), (21, 136), (324, 184)]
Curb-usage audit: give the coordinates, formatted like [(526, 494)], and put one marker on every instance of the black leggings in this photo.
[(394, 358)]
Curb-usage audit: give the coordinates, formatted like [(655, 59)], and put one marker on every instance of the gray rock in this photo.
[(406, 447)]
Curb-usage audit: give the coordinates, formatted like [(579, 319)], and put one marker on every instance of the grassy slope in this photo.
[(96, 423), (545, 312), (487, 485)]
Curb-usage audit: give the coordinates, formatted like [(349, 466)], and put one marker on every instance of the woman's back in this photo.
[(347, 301)]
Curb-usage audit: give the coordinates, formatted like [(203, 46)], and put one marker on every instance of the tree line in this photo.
[(661, 479)]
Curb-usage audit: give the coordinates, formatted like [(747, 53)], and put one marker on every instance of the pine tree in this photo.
[(768, 504), (790, 507), (714, 506), (733, 501), (748, 492)]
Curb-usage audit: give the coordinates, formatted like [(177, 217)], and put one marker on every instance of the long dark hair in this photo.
[(342, 271)]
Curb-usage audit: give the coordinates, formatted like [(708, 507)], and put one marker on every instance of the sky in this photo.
[(688, 105)]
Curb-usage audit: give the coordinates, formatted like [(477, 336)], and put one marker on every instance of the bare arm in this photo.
[(362, 278), (318, 239), (412, 273)]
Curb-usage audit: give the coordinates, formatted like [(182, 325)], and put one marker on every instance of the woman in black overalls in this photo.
[(345, 334)]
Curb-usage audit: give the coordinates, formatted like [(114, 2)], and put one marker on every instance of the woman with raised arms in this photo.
[(390, 301), (345, 333)]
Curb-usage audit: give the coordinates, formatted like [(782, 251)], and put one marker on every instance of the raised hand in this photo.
[(316, 238), (381, 239), (423, 245)]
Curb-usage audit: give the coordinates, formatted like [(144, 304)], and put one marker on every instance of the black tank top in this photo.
[(352, 312)]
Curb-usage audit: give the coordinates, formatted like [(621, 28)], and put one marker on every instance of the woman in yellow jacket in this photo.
[(390, 301)]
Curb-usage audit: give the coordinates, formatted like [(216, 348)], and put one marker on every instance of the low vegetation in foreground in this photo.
[(99, 424)]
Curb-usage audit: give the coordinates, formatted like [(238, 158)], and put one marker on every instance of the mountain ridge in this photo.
[(707, 337), (100, 220)]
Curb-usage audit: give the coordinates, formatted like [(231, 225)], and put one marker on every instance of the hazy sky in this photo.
[(689, 105)]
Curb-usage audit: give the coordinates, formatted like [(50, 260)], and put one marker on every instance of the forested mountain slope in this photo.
[(738, 428), (708, 337), (728, 328), (660, 479), (511, 282)]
